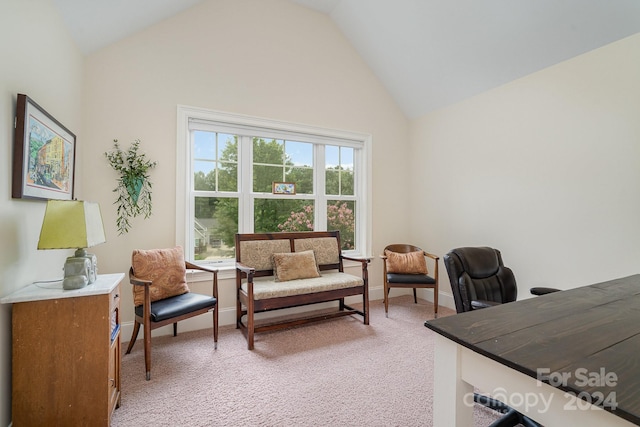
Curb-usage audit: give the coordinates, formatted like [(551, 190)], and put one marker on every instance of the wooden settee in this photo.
[(265, 265)]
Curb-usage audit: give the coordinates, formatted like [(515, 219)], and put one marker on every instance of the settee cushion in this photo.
[(294, 265), (165, 268), (325, 249), (406, 263), (264, 288), (258, 254)]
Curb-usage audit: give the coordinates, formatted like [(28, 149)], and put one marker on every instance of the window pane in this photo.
[(341, 217), (227, 147), (228, 162), (346, 171), (302, 177), (228, 177), (264, 176), (204, 178), (346, 182), (332, 182), (208, 158), (204, 145), (339, 171), (270, 152), (215, 225), (299, 153), (272, 215)]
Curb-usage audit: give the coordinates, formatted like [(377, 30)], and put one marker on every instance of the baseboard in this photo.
[(227, 315)]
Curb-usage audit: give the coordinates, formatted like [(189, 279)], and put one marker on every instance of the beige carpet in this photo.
[(336, 372)]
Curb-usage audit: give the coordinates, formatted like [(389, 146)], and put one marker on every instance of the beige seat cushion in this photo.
[(165, 268), (406, 263), (264, 288)]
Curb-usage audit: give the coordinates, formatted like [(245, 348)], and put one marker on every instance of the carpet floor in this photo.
[(335, 372)]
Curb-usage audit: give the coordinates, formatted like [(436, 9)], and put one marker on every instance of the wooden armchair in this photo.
[(404, 266), (161, 295)]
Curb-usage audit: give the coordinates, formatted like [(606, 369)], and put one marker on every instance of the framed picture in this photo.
[(44, 153), (284, 188)]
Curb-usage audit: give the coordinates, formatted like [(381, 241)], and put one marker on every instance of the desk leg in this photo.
[(452, 398)]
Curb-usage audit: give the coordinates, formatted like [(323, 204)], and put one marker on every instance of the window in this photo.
[(227, 165)]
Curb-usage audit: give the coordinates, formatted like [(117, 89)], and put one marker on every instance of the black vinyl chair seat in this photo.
[(177, 306), (413, 279)]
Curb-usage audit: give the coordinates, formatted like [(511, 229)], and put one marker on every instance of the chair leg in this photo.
[(386, 299), (215, 327), (250, 324), (175, 329), (134, 336), (415, 297), (435, 302), (147, 348)]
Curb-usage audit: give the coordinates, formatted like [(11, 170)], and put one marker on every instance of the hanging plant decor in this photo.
[(134, 186)]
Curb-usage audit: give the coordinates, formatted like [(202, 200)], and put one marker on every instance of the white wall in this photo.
[(545, 168), (272, 59), (40, 60)]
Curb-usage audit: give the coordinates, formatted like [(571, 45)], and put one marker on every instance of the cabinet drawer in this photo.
[(114, 299)]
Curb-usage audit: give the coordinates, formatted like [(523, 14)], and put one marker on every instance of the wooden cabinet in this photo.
[(66, 354)]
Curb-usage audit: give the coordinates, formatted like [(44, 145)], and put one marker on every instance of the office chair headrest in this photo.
[(479, 262)]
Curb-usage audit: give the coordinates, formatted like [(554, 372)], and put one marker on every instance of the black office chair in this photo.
[(479, 279)]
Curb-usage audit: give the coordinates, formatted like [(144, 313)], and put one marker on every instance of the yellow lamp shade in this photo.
[(71, 224)]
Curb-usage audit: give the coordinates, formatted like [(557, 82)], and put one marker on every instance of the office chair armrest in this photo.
[(543, 291), (482, 304)]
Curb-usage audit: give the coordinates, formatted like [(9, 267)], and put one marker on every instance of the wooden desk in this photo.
[(560, 358)]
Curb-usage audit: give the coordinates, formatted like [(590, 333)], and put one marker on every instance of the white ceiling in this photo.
[(428, 53)]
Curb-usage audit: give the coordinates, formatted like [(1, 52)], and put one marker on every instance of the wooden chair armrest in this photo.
[(245, 269), (138, 282), (360, 260), (208, 269), (249, 271), (192, 266), (432, 256), (147, 293), (364, 262)]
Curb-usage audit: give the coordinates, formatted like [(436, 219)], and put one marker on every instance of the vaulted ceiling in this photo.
[(427, 53)]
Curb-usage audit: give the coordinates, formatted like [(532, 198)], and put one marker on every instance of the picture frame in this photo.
[(288, 188), (44, 154)]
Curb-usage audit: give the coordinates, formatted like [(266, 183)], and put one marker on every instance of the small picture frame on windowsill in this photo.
[(284, 188)]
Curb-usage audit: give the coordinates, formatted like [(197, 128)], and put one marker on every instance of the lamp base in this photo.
[(77, 271), (74, 282), (93, 260)]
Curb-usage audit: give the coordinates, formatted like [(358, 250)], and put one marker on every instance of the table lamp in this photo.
[(69, 224)]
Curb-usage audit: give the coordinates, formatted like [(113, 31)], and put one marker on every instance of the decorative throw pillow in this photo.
[(165, 267), (295, 265), (408, 263)]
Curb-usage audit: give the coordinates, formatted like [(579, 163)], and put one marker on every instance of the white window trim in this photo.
[(228, 120)]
